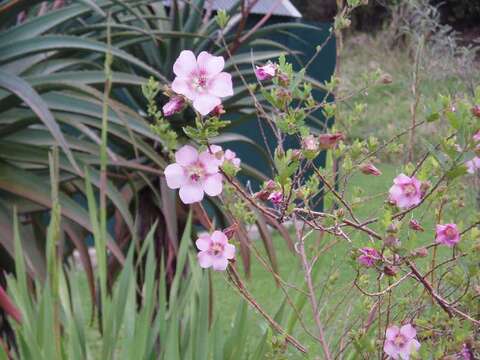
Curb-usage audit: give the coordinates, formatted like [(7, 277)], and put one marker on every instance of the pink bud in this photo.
[(266, 72), (21, 17), (370, 169), (218, 110), (173, 106), (276, 197), (328, 141), (310, 143), (415, 225)]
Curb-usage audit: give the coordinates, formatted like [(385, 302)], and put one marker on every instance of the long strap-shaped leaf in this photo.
[(23, 90)]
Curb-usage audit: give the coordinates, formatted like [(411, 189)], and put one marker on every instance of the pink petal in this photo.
[(408, 331), (209, 161), (213, 185), (390, 349), (401, 179), (191, 193), (185, 64), (221, 85), (175, 176), (219, 237), (209, 64), (203, 242), (183, 86), (229, 251), (204, 259), (205, 103), (219, 264), (186, 155), (392, 332), (415, 344)]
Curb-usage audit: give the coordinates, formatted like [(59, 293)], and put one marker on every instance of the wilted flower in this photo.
[(476, 110), (194, 174), (201, 80), (265, 72), (391, 240), (473, 165), (215, 251), (415, 225), (370, 169), (227, 155), (310, 143), (401, 342), (405, 191), (328, 141), (390, 270), (447, 234), (369, 256), (276, 197), (173, 106)]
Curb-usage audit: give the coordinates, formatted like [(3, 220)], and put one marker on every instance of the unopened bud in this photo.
[(296, 154), (370, 169), (218, 110), (283, 79), (392, 228), (391, 241), (328, 141), (390, 270), (420, 252), (386, 78), (415, 225), (424, 186)]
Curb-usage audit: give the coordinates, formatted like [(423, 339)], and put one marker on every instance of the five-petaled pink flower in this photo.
[(473, 165), (201, 80), (194, 174), (215, 251), (406, 191), (369, 256), (447, 234), (401, 342), (173, 105), (265, 72)]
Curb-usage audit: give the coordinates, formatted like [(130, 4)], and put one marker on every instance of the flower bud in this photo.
[(420, 252), (424, 186), (328, 141), (283, 79), (476, 111), (173, 106), (310, 143), (218, 110), (276, 197), (390, 270), (391, 241), (296, 154), (370, 169), (415, 225), (392, 228)]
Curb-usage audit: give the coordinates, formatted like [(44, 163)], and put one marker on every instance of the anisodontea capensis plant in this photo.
[(412, 286)]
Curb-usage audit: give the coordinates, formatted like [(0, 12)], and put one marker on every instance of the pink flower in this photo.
[(476, 137), (473, 165), (328, 141), (173, 106), (215, 251), (400, 342), (265, 72), (405, 191), (447, 234), (194, 174), (227, 155), (276, 197), (201, 80), (370, 169), (368, 257)]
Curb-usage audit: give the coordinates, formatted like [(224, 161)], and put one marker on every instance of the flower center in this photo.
[(216, 249), (450, 232), (200, 81), (409, 189), (196, 172), (400, 340)]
